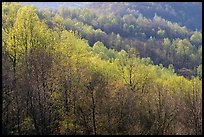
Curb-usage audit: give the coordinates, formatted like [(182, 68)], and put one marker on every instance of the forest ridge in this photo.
[(101, 69), (145, 26)]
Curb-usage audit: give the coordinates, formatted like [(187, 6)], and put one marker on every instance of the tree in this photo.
[(127, 66), (161, 33), (196, 38), (171, 68), (199, 71), (131, 28)]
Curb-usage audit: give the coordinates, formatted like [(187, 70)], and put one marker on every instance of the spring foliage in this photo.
[(54, 82)]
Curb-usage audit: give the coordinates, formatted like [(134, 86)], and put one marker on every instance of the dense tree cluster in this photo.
[(54, 82), (185, 13), (124, 31)]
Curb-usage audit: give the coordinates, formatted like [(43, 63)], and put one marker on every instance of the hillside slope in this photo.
[(54, 82), (187, 14)]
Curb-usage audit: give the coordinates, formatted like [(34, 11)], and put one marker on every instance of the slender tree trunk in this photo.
[(93, 113)]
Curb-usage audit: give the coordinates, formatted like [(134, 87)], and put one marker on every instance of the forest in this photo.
[(102, 68)]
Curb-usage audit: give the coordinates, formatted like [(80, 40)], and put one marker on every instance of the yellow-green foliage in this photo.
[(126, 94)]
